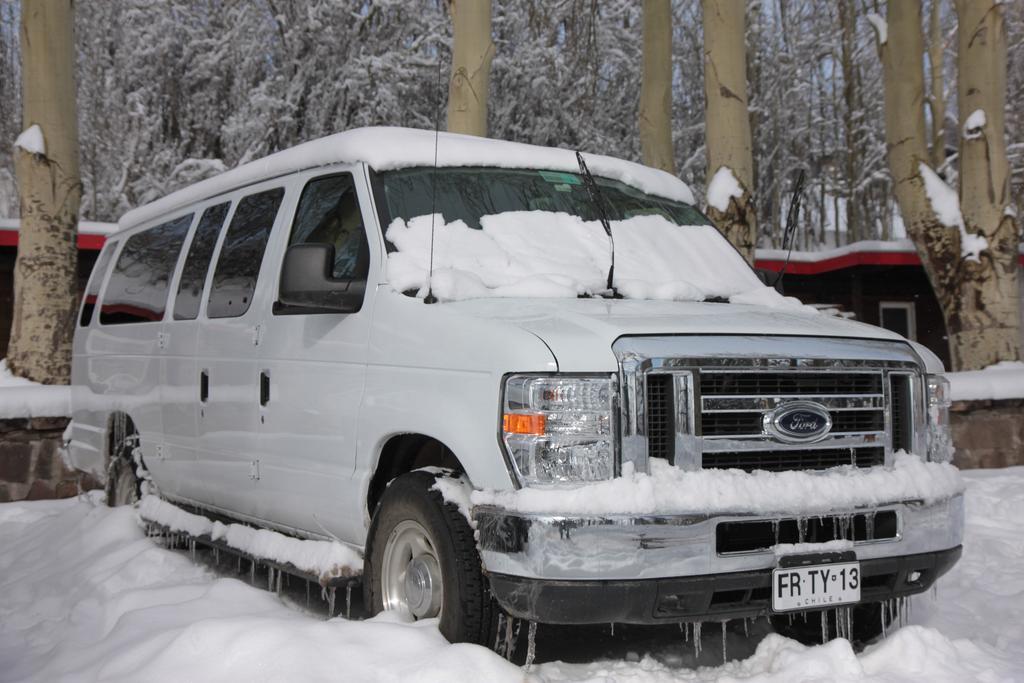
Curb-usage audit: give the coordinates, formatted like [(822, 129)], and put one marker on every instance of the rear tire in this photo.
[(422, 559)]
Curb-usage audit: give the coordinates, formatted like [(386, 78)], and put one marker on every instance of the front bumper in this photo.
[(559, 569)]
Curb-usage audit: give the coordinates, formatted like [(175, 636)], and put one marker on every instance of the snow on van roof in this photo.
[(388, 148)]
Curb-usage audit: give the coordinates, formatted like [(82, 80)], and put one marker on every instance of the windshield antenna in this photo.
[(791, 217), (597, 199), (430, 298)]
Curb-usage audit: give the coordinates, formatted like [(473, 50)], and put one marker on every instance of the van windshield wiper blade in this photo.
[(598, 200)]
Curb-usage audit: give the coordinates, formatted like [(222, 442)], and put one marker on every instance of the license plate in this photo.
[(820, 585)]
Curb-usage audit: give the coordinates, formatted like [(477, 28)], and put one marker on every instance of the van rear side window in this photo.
[(241, 254), (92, 290), (137, 290), (197, 263)]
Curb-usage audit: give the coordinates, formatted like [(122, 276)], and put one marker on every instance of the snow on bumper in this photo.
[(666, 524), (635, 547)]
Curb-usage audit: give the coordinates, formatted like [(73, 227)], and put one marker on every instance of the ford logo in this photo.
[(798, 422)]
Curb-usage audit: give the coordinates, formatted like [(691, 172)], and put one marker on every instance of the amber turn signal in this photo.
[(524, 423)]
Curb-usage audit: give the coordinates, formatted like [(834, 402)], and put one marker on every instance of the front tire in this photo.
[(422, 560), (123, 484)]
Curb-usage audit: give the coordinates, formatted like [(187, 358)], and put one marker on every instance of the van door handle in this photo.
[(264, 387), (204, 385)]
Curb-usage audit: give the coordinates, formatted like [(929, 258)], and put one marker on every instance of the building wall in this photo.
[(861, 289), (86, 260)]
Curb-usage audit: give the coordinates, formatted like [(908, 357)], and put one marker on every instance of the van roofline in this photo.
[(387, 148)]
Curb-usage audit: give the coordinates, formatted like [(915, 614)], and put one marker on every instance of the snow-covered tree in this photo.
[(46, 165), (968, 244)]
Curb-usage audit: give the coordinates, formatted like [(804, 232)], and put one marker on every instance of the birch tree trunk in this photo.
[(990, 316), (936, 99), (848, 27), (472, 52), (656, 87), (971, 290), (49, 190), (727, 122)]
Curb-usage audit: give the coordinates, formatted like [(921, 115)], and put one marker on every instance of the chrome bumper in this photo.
[(625, 547)]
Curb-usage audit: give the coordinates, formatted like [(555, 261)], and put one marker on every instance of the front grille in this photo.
[(736, 401), (660, 426), (788, 383), (843, 422), (809, 459), (758, 535), (899, 400)]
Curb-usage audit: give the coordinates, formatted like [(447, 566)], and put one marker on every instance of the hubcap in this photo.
[(410, 572)]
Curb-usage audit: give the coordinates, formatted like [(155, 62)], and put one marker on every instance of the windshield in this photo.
[(467, 194), (536, 233)]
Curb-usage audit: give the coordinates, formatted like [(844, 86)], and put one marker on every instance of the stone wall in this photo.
[(988, 433), (31, 467)]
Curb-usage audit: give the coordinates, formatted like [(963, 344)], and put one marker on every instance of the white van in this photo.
[(419, 346)]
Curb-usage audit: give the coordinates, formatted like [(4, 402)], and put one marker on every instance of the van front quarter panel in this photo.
[(435, 371)]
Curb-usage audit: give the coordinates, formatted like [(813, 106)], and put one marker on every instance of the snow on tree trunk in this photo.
[(727, 120), (46, 164), (990, 313), (472, 52), (960, 265), (656, 88)]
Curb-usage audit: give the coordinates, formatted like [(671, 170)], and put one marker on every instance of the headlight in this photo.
[(559, 428), (940, 435)]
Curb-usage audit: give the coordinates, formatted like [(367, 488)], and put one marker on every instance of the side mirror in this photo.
[(306, 281), (770, 278)]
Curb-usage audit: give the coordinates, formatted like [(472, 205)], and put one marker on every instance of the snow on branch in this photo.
[(880, 26), (974, 124), (722, 188), (31, 140), (946, 207)]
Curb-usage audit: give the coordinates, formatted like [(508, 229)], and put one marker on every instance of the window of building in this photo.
[(137, 290), (329, 213), (241, 255), (898, 316), (197, 263), (92, 290)]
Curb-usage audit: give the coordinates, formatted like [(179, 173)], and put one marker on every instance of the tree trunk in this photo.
[(971, 291), (990, 307), (848, 26), (656, 88), (472, 52), (45, 289), (727, 120), (937, 99)]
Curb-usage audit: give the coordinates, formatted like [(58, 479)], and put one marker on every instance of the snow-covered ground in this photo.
[(85, 596)]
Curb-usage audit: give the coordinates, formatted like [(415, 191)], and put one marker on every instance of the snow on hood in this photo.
[(545, 254), (388, 148), (580, 332)]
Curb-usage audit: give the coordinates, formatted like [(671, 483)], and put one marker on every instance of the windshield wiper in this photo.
[(598, 200)]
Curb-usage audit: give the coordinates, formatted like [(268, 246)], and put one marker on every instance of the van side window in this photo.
[(329, 213), (241, 254), (197, 263), (137, 290), (92, 290)]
